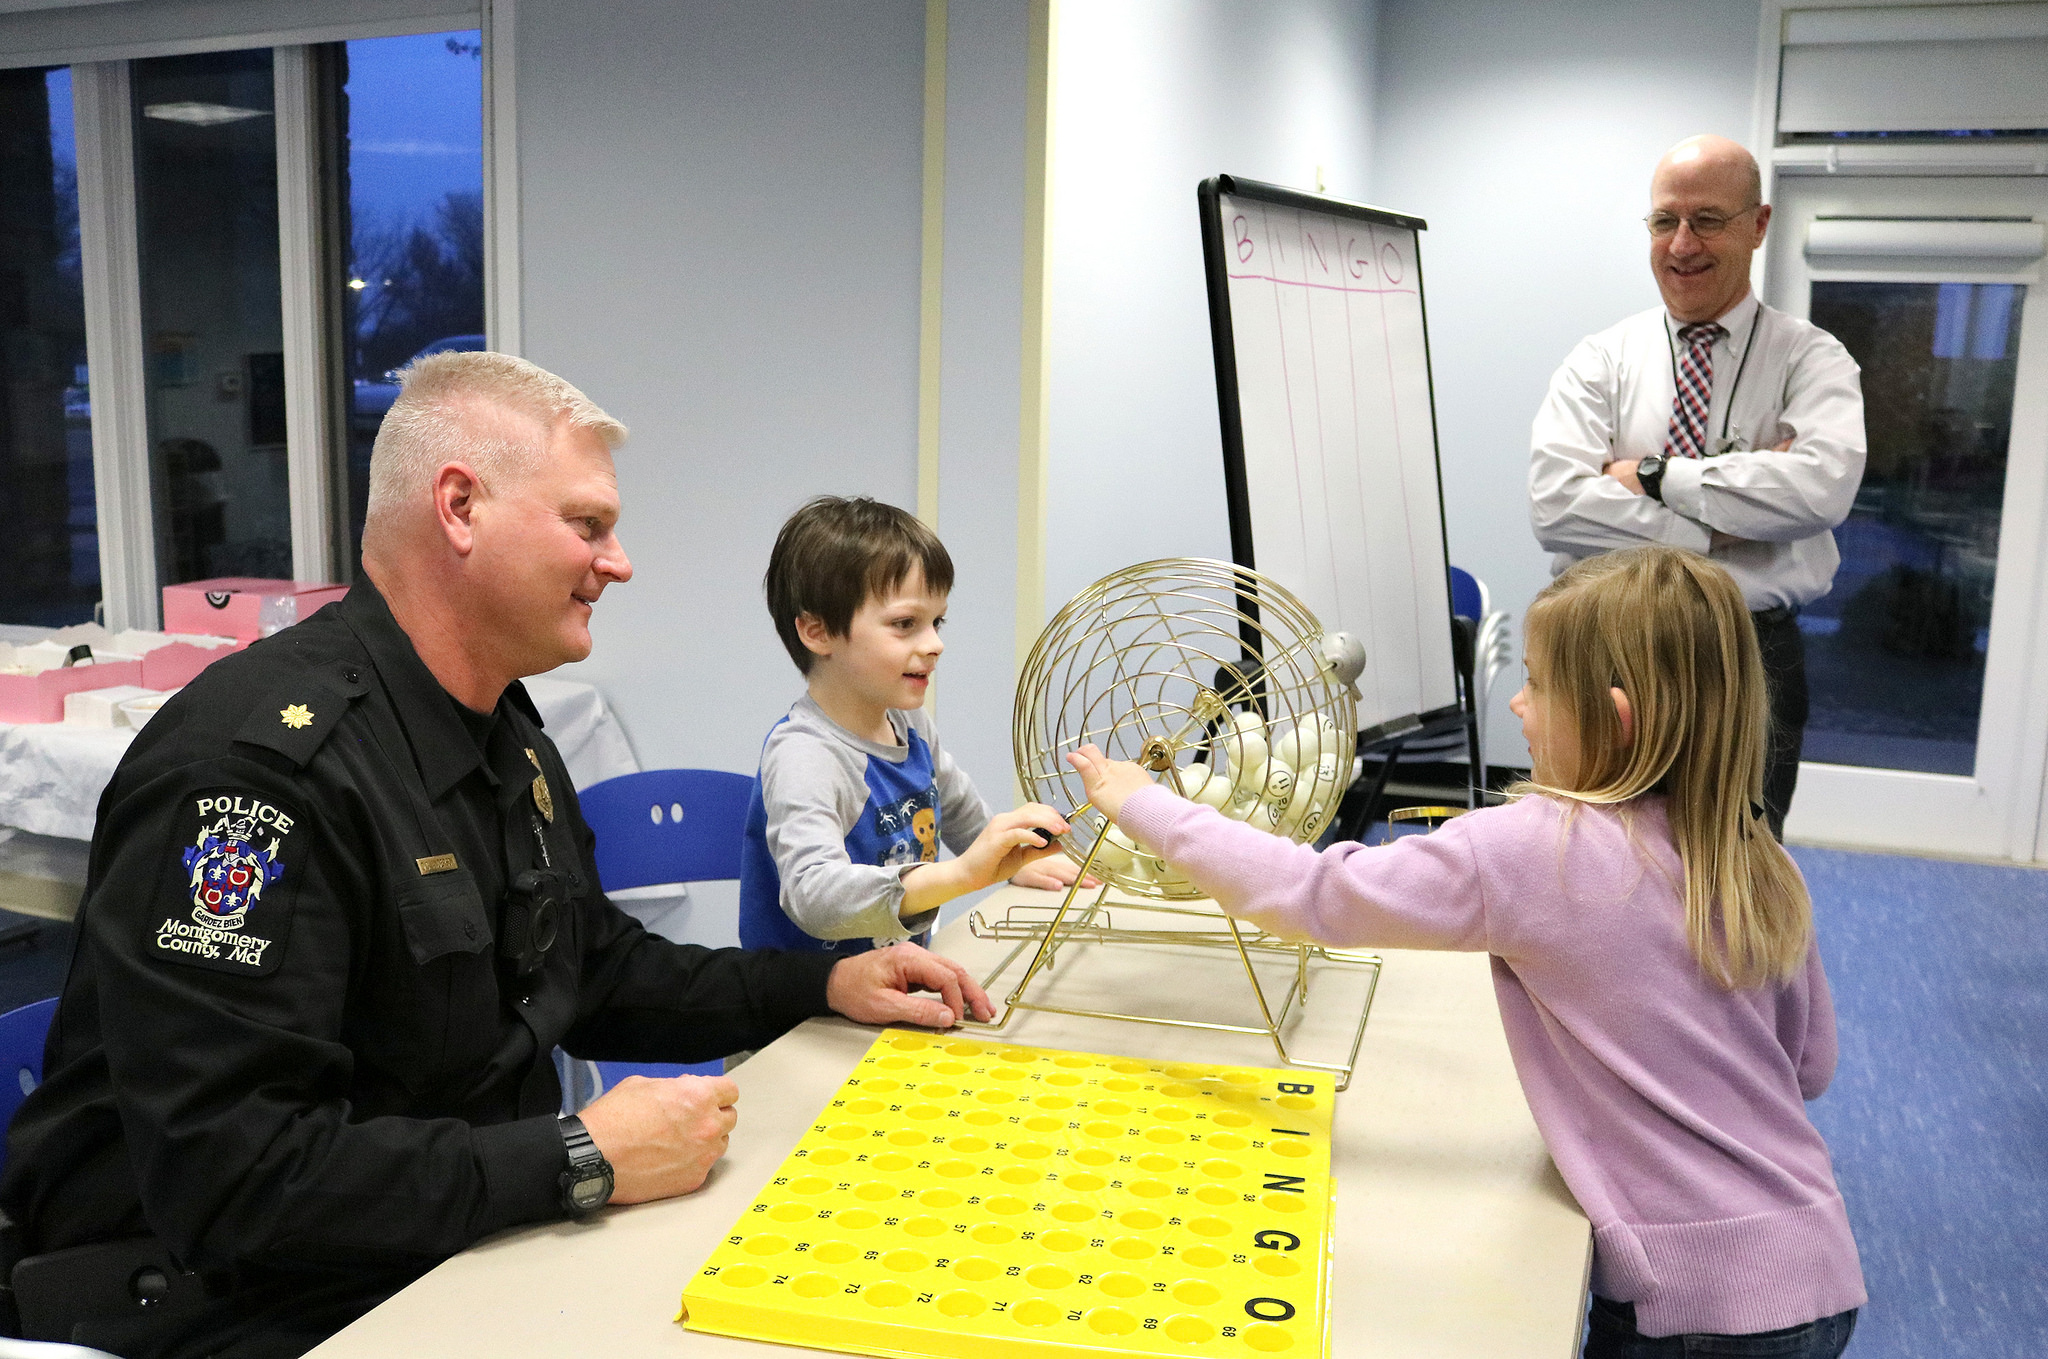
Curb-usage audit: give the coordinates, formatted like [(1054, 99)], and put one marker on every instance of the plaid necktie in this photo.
[(1687, 437)]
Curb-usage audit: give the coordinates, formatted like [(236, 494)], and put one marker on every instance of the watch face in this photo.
[(590, 1193)]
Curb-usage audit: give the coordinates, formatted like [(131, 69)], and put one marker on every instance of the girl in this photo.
[(1652, 949)]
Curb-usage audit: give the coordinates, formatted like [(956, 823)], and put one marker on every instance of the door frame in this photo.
[(1997, 811)]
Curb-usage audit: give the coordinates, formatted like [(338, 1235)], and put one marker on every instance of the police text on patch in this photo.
[(247, 807)]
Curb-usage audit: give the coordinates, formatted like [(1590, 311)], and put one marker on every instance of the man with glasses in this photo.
[(1713, 423)]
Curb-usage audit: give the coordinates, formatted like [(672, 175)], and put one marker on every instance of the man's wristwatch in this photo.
[(1650, 472), (587, 1183)]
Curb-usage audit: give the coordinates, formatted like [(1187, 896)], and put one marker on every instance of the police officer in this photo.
[(342, 907)]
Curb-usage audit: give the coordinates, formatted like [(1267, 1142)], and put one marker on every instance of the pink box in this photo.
[(243, 607), (176, 665), (40, 698)]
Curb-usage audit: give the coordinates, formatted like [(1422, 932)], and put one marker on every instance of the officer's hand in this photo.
[(662, 1136), (874, 988)]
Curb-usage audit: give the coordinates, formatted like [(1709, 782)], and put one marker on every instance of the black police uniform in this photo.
[(295, 1048)]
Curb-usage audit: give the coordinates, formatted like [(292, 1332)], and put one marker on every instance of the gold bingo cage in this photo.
[(1225, 685)]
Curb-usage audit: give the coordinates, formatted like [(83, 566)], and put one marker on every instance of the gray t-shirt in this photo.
[(844, 819)]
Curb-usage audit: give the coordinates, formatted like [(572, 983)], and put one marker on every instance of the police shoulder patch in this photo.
[(235, 863)]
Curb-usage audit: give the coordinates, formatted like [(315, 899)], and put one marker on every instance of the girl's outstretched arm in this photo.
[(1421, 891)]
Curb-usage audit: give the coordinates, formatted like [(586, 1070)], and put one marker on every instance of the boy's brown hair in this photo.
[(837, 553)]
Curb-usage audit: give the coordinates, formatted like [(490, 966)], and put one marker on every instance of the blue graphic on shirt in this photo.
[(898, 825)]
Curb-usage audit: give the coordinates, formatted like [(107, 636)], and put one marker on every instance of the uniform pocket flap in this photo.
[(443, 913)]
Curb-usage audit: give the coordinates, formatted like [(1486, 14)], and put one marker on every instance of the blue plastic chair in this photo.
[(662, 826), (1468, 600), (22, 1034), (668, 825)]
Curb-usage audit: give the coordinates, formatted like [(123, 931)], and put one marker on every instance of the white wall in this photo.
[(1150, 98), (720, 208), (981, 366), (1525, 134)]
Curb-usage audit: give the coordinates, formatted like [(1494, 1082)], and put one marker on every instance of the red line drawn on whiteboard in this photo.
[(1326, 287), (1286, 380)]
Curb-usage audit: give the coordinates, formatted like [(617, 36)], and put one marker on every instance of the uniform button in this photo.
[(351, 675)]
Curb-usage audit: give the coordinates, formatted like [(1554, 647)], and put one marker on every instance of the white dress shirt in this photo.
[(1764, 515)]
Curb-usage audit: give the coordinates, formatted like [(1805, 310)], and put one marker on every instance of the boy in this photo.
[(855, 795)]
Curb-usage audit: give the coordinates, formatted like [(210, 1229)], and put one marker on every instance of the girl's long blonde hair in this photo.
[(1670, 630)]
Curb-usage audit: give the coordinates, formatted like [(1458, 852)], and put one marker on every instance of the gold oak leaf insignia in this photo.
[(297, 716)]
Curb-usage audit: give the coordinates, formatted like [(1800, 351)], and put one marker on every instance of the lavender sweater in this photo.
[(1674, 1109)]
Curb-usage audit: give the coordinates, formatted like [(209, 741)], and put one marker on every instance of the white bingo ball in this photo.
[(1296, 811), (1241, 806), (1320, 778), (1214, 793), (1193, 779), (1307, 741), (1278, 783), (1115, 853), (1244, 741)]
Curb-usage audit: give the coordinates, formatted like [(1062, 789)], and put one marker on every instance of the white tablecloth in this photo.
[(51, 775)]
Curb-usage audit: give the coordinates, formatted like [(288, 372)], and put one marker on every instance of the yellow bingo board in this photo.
[(978, 1200)]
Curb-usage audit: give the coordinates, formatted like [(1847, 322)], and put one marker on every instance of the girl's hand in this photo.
[(1108, 781), (1052, 873)]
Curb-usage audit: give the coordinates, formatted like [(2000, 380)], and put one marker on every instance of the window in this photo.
[(50, 571), (305, 221), (415, 196), (212, 321)]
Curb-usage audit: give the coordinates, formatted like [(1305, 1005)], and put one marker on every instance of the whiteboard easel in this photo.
[(1329, 430)]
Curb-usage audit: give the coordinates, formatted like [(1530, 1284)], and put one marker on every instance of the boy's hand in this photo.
[(1108, 781), (1010, 842), (1003, 848), (1051, 874)]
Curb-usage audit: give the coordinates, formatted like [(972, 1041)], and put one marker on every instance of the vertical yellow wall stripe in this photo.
[(930, 297), (1031, 443)]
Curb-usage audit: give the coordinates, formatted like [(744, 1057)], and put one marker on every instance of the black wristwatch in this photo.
[(587, 1183), (1650, 472)]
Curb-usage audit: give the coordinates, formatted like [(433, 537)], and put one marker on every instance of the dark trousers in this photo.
[(1784, 655), (1611, 1334)]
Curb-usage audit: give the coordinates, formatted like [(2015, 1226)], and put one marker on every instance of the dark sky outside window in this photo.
[(50, 571), (414, 158)]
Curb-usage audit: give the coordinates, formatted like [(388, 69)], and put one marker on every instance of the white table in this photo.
[(1454, 1235), (52, 774)]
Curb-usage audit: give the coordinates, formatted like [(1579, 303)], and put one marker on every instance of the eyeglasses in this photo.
[(1705, 225)]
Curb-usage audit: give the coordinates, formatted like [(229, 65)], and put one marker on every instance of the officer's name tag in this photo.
[(227, 894)]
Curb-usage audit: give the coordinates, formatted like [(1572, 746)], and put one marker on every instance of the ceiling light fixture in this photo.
[(201, 115)]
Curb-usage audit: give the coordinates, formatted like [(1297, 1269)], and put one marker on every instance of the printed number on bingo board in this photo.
[(977, 1200)]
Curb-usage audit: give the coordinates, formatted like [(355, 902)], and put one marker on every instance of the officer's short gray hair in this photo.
[(491, 411)]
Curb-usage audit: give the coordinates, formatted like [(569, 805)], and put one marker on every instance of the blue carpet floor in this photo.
[(1938, 1116)]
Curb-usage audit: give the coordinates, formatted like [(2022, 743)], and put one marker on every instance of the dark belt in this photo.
[(1776, 616)]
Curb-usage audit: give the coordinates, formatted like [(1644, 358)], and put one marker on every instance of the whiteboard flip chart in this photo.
[(1329, 428)]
